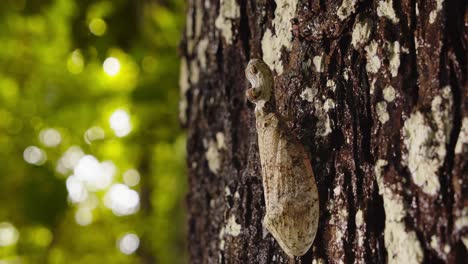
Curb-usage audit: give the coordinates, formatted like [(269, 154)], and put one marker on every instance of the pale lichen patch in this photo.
[(461, 222), (382, 113), (435, 243), (389, 93), (213, 157), (227, 191), (432, 16), (441, 107), (220, 140), (361, 32), (232, 227), (416, 44), (318, 261), (229, 11), (378, 170), (201, 52), (331, 84), (465, 241), (358, 218), (189, 26), (462, 137), (346, 9), (385, 9), (372, 86), (318, 63), (183, 88), (194, 72), (373, 61), (402, 246), (328, 104), (447, 249), (433, 13), (323, 120), (421, 161), (309, 94), (427, 146), (198, 20), (337, 191), (183, 105), (324, 126), (272, 44), (393, 49), (346, 74)]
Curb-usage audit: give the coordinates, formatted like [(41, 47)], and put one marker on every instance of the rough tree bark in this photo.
[(377, 91)]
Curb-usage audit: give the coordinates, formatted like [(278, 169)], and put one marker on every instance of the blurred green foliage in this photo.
[(88, 103)]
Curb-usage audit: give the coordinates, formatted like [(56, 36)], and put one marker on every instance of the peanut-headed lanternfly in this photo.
[(291, 197)]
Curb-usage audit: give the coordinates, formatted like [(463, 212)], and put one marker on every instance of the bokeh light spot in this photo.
[(129, 243), (50, 137), (9, 90), (83, 216), (131, 177), (34, 155), (111, 66), (75, 62), (8, 234), (93, 134), (95, 175), (39, 236), (122, 200), (69, 159), (97, 26), (120, 123), (77, 191)]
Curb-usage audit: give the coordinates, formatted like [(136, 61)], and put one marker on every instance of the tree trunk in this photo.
[(376, 92)]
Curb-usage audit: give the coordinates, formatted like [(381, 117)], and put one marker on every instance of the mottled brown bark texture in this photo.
[(375, 90)]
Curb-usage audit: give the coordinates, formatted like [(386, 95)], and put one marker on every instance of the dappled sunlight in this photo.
[(93, 134), (75, 62), (86, 95), (84, 216), (131, 177), (128, 243), (50, 137), (34, 155), (9, 235), (97, 26), (69, 159), (95, 175), (77, 191), (120, 123), (38, 235), (122, 200), (111, 66)]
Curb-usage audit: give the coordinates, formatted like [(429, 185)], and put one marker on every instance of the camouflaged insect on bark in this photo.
[(291, 196)]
